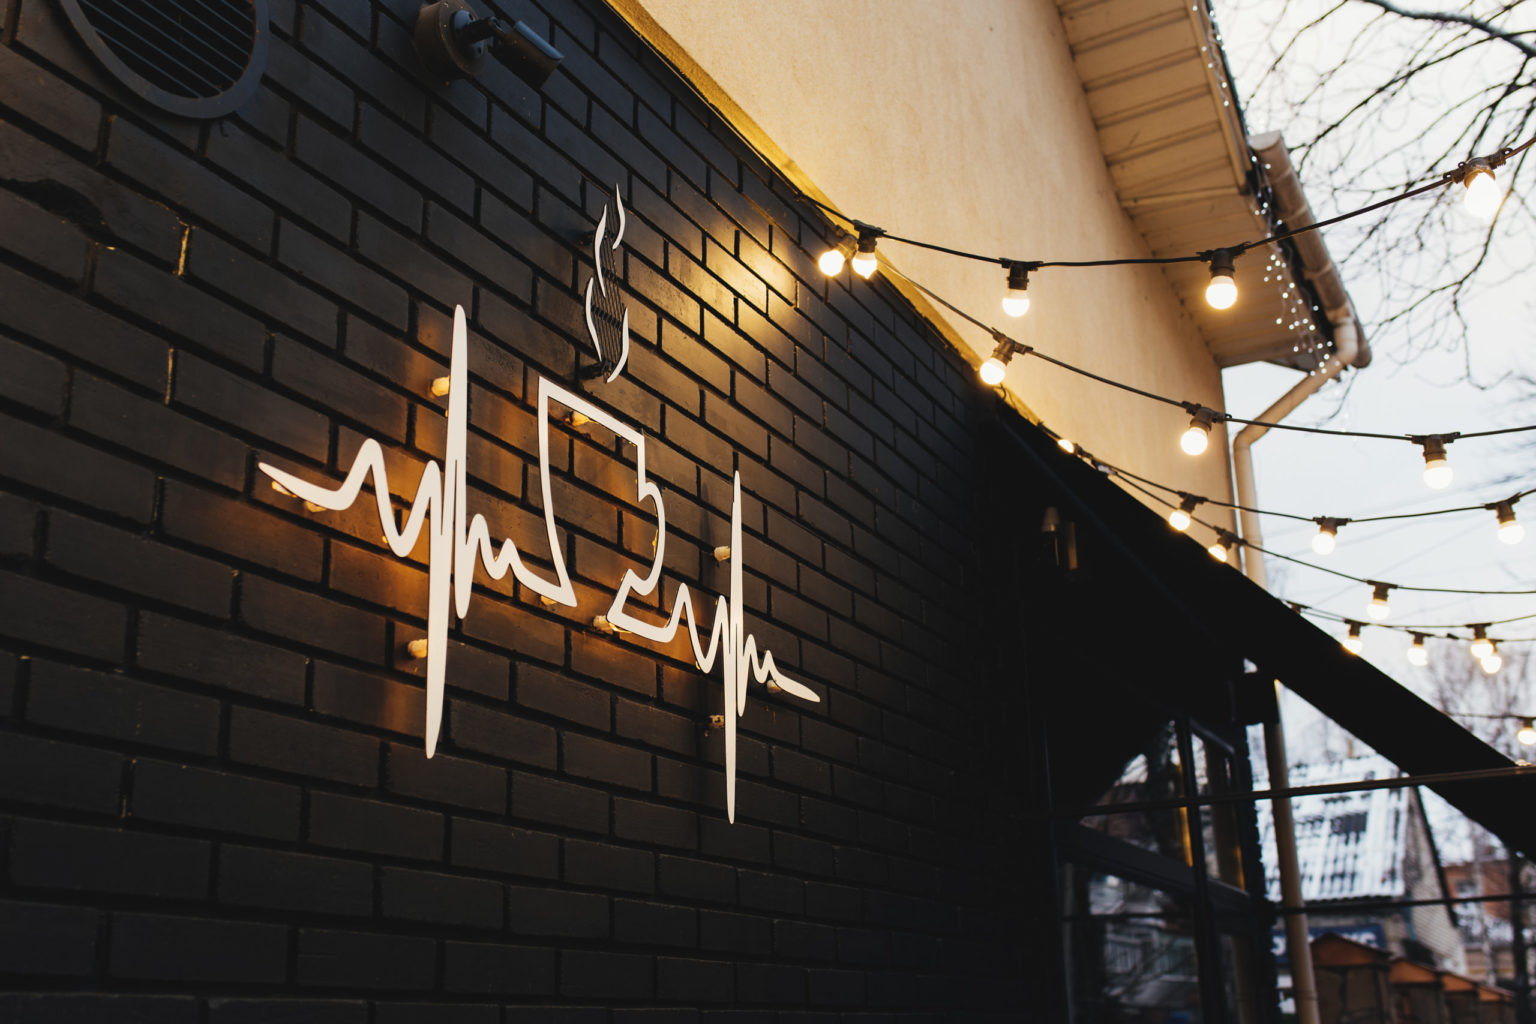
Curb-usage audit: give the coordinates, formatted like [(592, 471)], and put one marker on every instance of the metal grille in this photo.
[(608, 307), (192, 48)]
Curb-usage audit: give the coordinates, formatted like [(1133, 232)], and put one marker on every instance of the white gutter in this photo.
[(1350, 349)]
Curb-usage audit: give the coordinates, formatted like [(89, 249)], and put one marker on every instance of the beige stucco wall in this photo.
[(964, 123)]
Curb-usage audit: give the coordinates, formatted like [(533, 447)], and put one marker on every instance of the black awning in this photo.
[(1225, 610)]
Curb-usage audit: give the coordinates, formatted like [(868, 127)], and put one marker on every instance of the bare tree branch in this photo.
[(1447, 17)]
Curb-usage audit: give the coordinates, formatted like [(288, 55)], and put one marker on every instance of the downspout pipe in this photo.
[(1349, 350)]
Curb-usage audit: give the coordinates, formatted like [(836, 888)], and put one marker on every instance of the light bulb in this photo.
[(1067, 446), (993, 371), (1483, 194), (1179, 518), (1218, 551), (1510, 531), (1221, 548), (1353, 642), (1222, 291), (1379, 609), (864, 264), (1016, 300), (1326, 538), (1437, 469), (1417, 654), (831, 262), (1527, 733), (1481, 646), (1492, 663), (1197, 437)]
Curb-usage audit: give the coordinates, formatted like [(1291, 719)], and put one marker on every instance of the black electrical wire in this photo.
[(1194, 408), (1310, 565)]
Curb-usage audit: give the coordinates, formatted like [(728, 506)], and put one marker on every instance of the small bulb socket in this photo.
[(1505, 510), (1223, 263)]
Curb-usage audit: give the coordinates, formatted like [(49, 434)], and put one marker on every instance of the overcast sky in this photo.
[(1404, 390)]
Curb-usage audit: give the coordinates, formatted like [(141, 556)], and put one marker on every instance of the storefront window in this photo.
[(1133, 952)]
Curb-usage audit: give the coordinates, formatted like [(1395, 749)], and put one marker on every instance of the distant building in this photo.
[(1361, 850)]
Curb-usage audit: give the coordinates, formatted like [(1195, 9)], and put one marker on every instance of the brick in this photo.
[(655, 824), (723, 932), (194, 949), (309, 84), (696, 880), (217, 801), (505, 737), (53, 616), (186, 182), (602, 761), (601, 865), (91, 1008), (111, 212), (491, 260), (371, 76), (368, 699), (82, 331), (43, 938), (324, 379), (443, 1013), (614, 976), (542, 911), (695, 981), (564, 698), (770, 983), (96, 703), (273, 294), (270, 607), (295, 882), (84, 858), (38, 236), (407, 260), (316, 260), (352, 823), (251, 408), (220, 659), (500, 849), (155, 432), (640, 922), (72, 470), (343, 959), (48, 101), (287, 1011), (137, 564), (32, 378), (421, 163), (279, 178), (434, 897), (496, 969), (178, 308), (448, 780), (357, 174), (18, 528), (551, 802), (300, 747), (548, 162)]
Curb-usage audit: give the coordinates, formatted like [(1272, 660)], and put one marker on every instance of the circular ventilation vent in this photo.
[(196, 58)]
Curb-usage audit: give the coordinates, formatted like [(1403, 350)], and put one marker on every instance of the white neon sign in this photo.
[(458, 542)]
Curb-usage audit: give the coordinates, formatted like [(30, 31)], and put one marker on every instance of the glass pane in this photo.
[(1132, 953), (1237, 979), (1223, 851), (1153, 774)]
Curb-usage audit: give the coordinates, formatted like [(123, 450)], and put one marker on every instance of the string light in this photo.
[(1379, 609), (1491, 661), (1179, 518), (1221, 547), (1067, 446), (1417, 653), (1437, 469), (1016, 300), (1221, 293), (1198, 436), (1326, 538), (1481, 646), (1483, 195), (864, 261), (1353, 642), (1510, 531), (995, 368), (1527, 733), (831, 261)]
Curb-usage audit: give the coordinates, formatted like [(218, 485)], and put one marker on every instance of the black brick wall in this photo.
[(216, 808)]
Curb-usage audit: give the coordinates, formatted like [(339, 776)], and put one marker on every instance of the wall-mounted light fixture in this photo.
[(453, 42)]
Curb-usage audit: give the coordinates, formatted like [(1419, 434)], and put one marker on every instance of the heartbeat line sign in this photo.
[(459, 543)]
